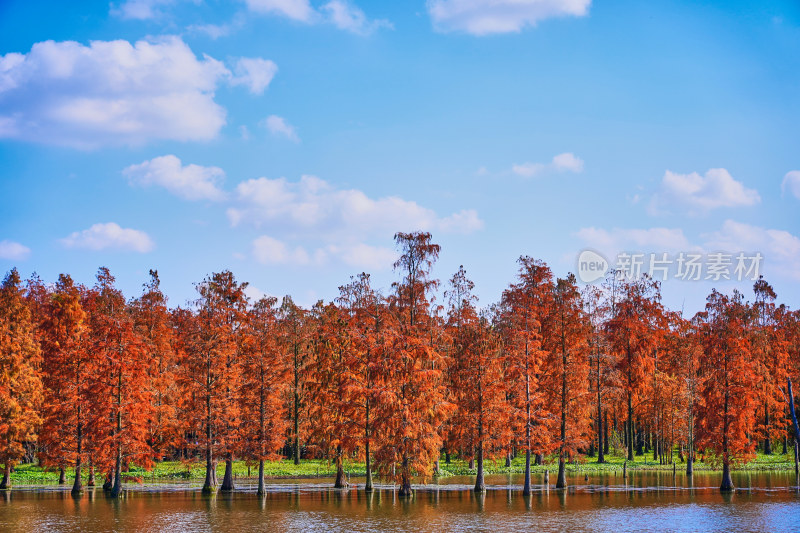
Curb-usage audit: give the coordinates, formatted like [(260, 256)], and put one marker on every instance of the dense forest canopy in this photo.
[(554, 370)]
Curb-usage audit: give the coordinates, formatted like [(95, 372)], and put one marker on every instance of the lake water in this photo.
[(649, 501)]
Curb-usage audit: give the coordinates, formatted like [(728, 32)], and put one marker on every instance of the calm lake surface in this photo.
[(649, 501)]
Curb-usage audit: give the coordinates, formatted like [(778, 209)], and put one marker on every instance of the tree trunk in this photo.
[(446, 457), (480, 486), (605, 434), (62, 476), (405, 480), (472, 463), (629, 432), (91, 481), (767, 438), (538, 459), (340, 482), (77, 485), (210, 484), (116, 490), (561, 482), (368, 483), (727, 482), (227, 481), (6, 483), (261, 490), (526, 490)]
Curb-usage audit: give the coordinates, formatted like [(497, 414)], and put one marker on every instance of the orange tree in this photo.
[(479, 393), (67, 365), (523, 307), (726, 413), (264, 379), (414, 406), (20, 379)]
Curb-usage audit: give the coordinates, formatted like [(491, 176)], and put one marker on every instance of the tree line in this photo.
[(90, 380)]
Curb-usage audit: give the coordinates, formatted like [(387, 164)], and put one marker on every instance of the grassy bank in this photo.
[(313, 468)]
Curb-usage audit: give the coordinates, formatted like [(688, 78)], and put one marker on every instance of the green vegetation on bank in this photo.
[(318, 468)]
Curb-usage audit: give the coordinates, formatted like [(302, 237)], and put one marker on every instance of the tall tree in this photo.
[(524, 306), (481, 414), (120, 389), (152, 324), (20, 379), (416, 397), (264, 380), (726, 413), (567, 371), (293, 338), (633, 331), (67, 364), (210, 371)]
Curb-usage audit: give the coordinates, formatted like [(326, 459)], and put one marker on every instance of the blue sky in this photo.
[(288, 140)]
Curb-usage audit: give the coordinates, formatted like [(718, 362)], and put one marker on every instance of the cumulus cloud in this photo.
[(255, 73), (13, 251), (191, 182), (139, 9), (348, 17), (340, 13), (109, 236), (791, 183), (566, 162), (313, 206), (300, 10), (270, 251), (484, 17), (636, 239), (781, 249), (115, 92), (695, 194), (280, 128)]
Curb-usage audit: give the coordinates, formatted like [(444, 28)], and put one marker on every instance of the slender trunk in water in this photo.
[(116, 490), (211, 479), (526, 490), (261, 491), (227, 481), (6, 483), (480, 486), (368, 483), (405, 480), (340, 482), (561, 483), (91, 482)]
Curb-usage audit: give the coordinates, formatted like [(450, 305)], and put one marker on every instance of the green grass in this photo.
[(312, 468)]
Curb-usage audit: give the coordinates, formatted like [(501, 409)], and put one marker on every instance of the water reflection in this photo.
[(645, 501)]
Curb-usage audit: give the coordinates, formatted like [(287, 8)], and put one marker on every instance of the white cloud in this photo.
[(109, 236), (695, 194), (270, 251), (13, 251), (300, 10), (791, 183), (644, 240), (566, 162), (484, 17), (213, 31), (255, 73), (191, 182), (781, 249), (110, 92), (341, 13), (315, 207), (139, 9), (348, 17), (279, 127)]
